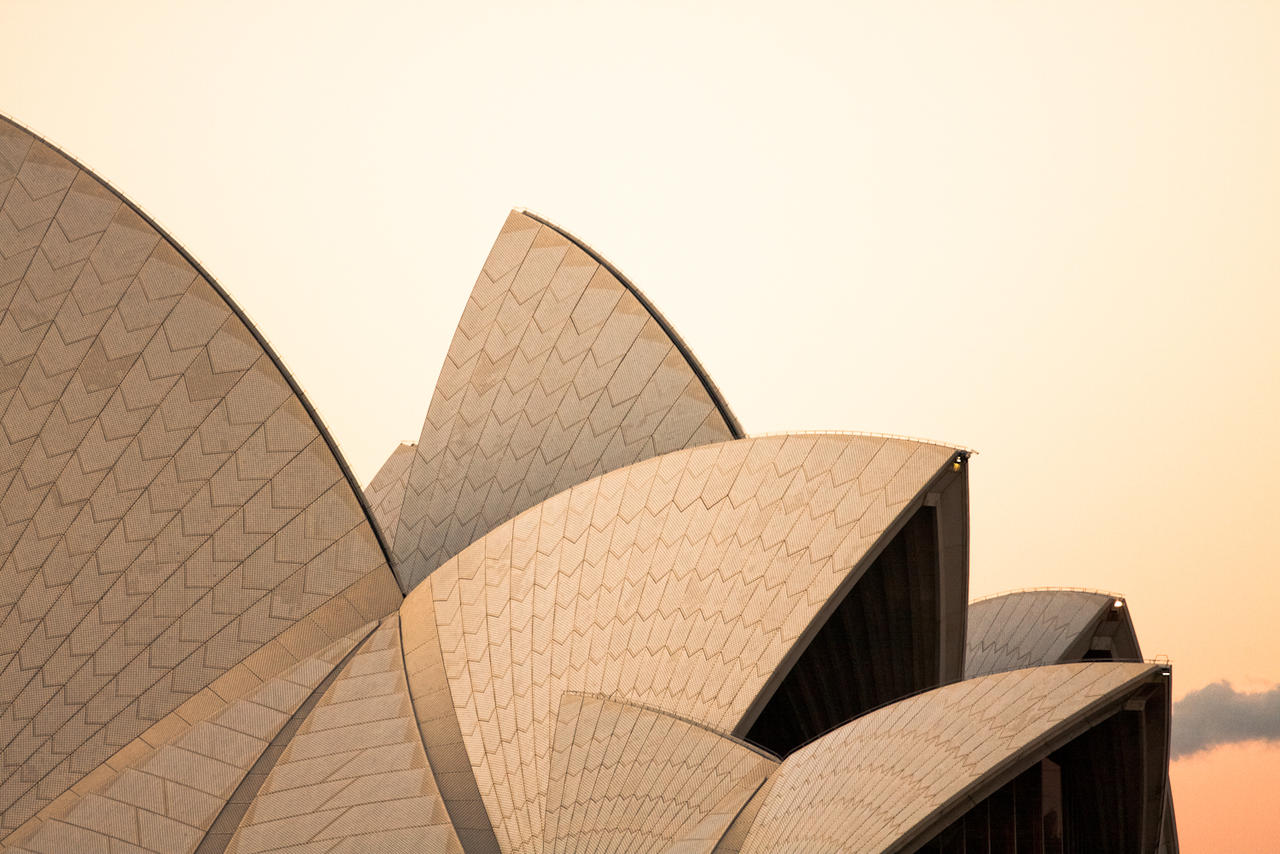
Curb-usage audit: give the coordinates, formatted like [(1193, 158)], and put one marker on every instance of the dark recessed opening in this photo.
[(1086, 798), (1113, 639), (881, 643)]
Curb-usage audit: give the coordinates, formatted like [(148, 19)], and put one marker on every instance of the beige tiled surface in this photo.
[(354, 778), (736, 836), (557, 373), (385, 493), (1028, 628), (167, 505), (164, 798), (629, 780), (183, 561), (705, 836), (678, 583), (438, 726), (865, 786)]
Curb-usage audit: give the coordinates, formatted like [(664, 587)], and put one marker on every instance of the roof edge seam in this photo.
[(302, 714), (820, 617), (708, 385), (754, 794), (1111, 594), (243, 318), (870, 434), (1057, 736), (435, 651), (754, 748), (417, 728)]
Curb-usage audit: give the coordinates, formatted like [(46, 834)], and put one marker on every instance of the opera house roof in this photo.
[(584, 611)]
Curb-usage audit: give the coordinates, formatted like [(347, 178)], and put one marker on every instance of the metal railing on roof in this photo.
[(1049, 589), (869, 433)]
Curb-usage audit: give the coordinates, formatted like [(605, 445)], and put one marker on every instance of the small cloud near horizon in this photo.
[(1218, 714)]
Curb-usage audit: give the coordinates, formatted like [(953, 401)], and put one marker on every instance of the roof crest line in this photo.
[(769, 434), (741, 742), (244, 318), (717, 399), (1047, 589), (1061, 733)]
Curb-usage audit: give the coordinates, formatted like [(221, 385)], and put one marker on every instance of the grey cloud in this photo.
[(1218, 714)]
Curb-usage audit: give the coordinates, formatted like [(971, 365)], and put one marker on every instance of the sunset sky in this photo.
[(1048, 231)]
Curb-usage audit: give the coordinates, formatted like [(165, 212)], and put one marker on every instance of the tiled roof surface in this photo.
[(169, 508), (1028, 628), (355, 776), (165, 790), (385, 493), (866, 786), (557, 373), (678, 583), (203, 647), (629, 780)]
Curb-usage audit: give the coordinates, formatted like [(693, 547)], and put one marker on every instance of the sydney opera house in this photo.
[(584, 612)]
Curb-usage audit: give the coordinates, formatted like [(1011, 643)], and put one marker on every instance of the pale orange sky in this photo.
[(1047, 231)]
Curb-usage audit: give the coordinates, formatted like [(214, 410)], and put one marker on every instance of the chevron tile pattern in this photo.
[(736, 836), (385, 493), (439, 728), (167, 505), (205, 648), (605, 760), (1028, 628), (869, 784), (355, 777), (678, 583), (557, 373), (165, 799), (706, 836)]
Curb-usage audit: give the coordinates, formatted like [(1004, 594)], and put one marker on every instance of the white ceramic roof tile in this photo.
[(625, 778), (1028, 628), (163, 793), (617, 587), (385, 493), (868, 785), (558, 372), (355, 776), (610, 583), (168, 504)]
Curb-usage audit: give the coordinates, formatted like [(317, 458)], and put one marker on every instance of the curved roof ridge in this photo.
[(1056, 735), (590, 622), (835, 759), (699, 371), (244, 318), (1048, 589), (657, 710), (968, 452)]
